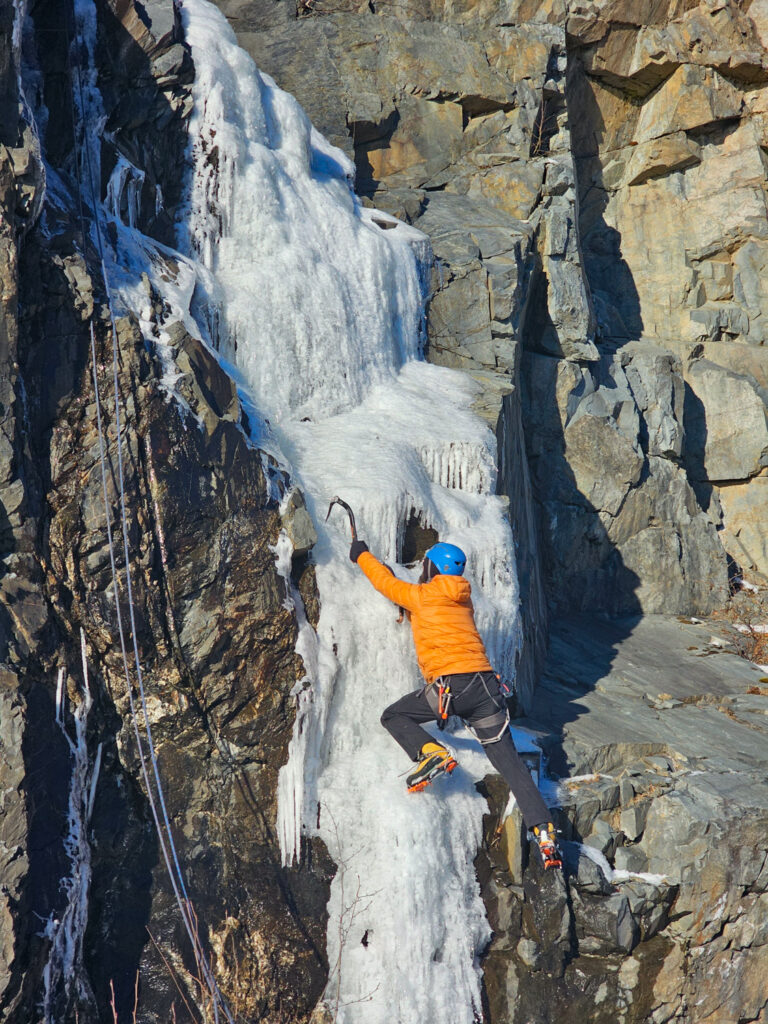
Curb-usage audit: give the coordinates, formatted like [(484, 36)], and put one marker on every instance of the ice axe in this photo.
[(340, 501), (336, 500)]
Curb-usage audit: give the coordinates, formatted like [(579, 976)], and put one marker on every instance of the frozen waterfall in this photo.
[(321, 313)]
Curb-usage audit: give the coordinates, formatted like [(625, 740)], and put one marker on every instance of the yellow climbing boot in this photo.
[(434, 760)]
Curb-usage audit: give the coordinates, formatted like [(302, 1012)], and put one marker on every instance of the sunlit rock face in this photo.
[(484, 126), (669, 128)]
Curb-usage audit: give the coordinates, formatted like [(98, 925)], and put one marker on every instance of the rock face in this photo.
[(213, 635), (668, 106), (605, 460), (456, 122), (592, 180), (662, 912)]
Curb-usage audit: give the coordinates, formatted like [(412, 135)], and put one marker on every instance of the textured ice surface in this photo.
[(320, 313), (311, 300)]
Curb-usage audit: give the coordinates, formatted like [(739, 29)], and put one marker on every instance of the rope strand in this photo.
[(164, 831)]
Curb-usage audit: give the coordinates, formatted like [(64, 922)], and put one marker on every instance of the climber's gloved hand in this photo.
[(356, 549)]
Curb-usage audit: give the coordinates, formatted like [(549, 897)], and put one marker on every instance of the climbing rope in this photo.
[(163, 829)]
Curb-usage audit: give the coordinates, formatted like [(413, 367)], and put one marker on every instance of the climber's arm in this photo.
[(406, 595)]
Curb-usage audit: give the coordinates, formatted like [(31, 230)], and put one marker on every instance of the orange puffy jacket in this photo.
[(442, 619)]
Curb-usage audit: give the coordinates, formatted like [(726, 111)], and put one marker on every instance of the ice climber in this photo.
[(459, 681)]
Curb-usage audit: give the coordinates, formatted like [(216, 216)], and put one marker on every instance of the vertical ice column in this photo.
[(63, 975)]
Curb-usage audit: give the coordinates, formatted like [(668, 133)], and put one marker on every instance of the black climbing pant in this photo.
[(475, 699)]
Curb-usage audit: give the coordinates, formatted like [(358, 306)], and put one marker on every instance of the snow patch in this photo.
[(618, 875)]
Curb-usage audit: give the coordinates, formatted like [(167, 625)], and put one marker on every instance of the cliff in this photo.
[(591, 181)]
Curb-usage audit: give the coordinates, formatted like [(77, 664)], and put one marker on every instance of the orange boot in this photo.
[(434, 760), (546, 838)]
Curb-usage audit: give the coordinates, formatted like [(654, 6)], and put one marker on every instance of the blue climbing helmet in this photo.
[(447, 559)]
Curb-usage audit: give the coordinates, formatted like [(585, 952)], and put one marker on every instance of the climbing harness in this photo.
[(164, 833), (492, 728), (440, 696)]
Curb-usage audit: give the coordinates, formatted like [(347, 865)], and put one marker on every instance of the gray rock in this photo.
[(582, 809), (602, 838), (484, 258), (650, 905), (727, 423), (213, 394), (704, 775), (630, 858), (572, 328), (297, 523), (604, 458), (626, 790), (529, 953), (656, 380), (605, 925), (589, 877), (14, 825), (609, 793), (614, 512), (632, 820)]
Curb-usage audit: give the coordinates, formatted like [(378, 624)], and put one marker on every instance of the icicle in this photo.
[(461, 465), (313, 694), (59, 697), (63, 975), (299, 266), (124, 192)]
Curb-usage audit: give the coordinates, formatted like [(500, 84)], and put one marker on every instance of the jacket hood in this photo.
[(456, 588)]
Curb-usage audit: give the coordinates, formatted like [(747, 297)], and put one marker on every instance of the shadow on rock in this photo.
[(614, 293)]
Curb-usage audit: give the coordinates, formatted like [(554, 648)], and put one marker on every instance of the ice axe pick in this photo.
[(340, 501), (336, 500)]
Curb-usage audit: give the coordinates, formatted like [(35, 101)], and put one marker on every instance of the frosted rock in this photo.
[(297, 523)]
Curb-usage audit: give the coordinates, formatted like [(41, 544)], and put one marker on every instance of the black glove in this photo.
[(356, 549)]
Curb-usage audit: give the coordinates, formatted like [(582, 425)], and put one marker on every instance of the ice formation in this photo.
[(62, 974), (310, 300), (320, 311)]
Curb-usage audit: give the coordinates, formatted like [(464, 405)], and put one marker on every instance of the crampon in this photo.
[(545, 838), (434, 764)]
